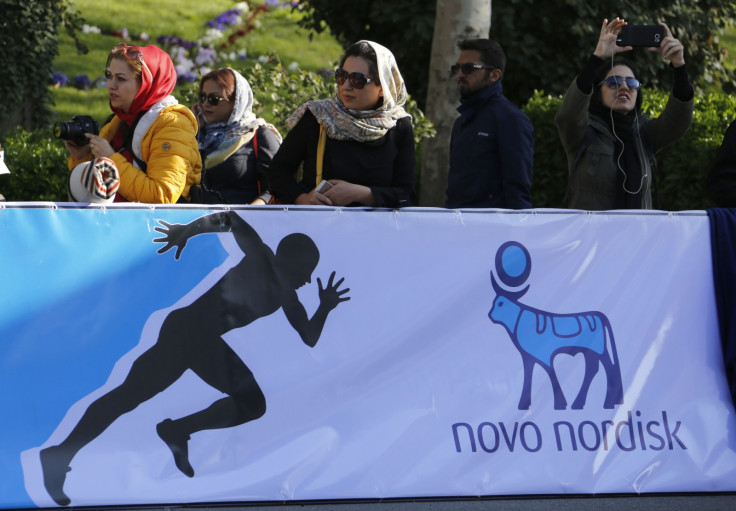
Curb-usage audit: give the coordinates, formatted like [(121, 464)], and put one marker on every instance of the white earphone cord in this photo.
[(638, 138)]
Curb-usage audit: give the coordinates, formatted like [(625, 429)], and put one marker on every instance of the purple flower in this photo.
[(173, 40), (272, 3), (59, 79), (186, 78), (82, 82), (206, 56), (227, 18)]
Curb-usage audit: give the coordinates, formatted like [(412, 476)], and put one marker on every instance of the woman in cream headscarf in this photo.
[(236, 146), (367, 153)]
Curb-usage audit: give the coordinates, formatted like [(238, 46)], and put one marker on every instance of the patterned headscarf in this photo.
[(362, 125), (242, 121)]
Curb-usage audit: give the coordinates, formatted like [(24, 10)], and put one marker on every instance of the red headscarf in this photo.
[(158, 79)]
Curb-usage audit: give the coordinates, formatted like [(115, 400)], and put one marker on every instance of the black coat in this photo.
[(491, 154), (242, 177), (721, 183), (385, 165)]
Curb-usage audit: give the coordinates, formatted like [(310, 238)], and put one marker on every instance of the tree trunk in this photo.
[(455, 20), (21, 116)]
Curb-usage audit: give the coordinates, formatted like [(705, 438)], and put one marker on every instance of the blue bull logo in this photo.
[(540, 336)]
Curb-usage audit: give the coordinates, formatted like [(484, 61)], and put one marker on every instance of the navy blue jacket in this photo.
[(491, 153)]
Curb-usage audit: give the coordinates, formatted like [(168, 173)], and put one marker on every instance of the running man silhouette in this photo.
[(191, 338)]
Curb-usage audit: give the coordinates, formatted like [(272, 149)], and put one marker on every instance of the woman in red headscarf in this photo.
[(151, 138)]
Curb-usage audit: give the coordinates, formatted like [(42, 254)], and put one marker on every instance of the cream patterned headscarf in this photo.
[(362, 125), (222, 136)]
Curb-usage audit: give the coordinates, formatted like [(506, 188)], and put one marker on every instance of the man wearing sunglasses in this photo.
[(492, 142)]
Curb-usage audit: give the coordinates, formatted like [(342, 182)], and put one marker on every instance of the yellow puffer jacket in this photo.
[(169, 148)]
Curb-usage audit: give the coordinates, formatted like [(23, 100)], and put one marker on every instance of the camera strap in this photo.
[(128, 133)]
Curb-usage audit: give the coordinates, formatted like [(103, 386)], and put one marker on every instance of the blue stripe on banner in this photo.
[(66, 269)]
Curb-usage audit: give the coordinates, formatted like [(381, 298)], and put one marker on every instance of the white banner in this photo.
[(479, 353)]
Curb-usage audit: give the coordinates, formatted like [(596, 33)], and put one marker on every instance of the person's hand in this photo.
[(78, 152), (671, 49), (99, 146), (606, 46), (199, 114), (331, 296), (343, 193), (313, 198), (174, 235)]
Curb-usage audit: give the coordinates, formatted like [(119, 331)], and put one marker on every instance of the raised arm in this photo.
[(177, 235), (330, 297)]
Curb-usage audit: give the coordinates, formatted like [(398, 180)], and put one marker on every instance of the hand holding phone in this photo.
[(648, 36), (324, 186)]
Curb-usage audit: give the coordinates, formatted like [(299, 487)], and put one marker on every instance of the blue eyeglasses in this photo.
[(614, 82)]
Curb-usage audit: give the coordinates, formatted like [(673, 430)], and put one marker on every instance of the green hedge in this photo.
[(38, 167), (38, 162), (681, 167)]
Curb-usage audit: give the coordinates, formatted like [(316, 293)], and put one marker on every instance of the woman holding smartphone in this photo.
[(610, 146), (361, 141)]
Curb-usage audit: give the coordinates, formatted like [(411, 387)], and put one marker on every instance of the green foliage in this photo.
[(28, 32), (549, 181), (38, 167), (546, 43), (681, 168), (547, 56), (277, 31), (404, 27), (280, 33)]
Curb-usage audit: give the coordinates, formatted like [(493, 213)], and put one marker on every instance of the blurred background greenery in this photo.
[(277, 32)]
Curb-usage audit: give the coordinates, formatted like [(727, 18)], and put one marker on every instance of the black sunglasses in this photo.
[(614, 82), (210, 98), (357, 80), (467, 68)]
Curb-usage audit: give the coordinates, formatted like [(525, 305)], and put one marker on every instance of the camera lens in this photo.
[(75, 129), (60, 130)]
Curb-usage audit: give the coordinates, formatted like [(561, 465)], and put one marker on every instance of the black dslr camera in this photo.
[(75, 129)]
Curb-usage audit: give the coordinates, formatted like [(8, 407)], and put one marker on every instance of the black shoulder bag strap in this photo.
[(128, 140)]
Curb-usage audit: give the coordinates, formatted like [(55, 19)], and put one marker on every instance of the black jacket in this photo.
[(721, 183), (241, 178), (385, 165), (491, 154)]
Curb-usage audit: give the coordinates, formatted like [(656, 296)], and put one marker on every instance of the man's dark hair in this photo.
[(365, 51), (491, 53)]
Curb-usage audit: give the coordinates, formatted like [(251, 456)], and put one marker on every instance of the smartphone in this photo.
[(324, 186), (640, 35)]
